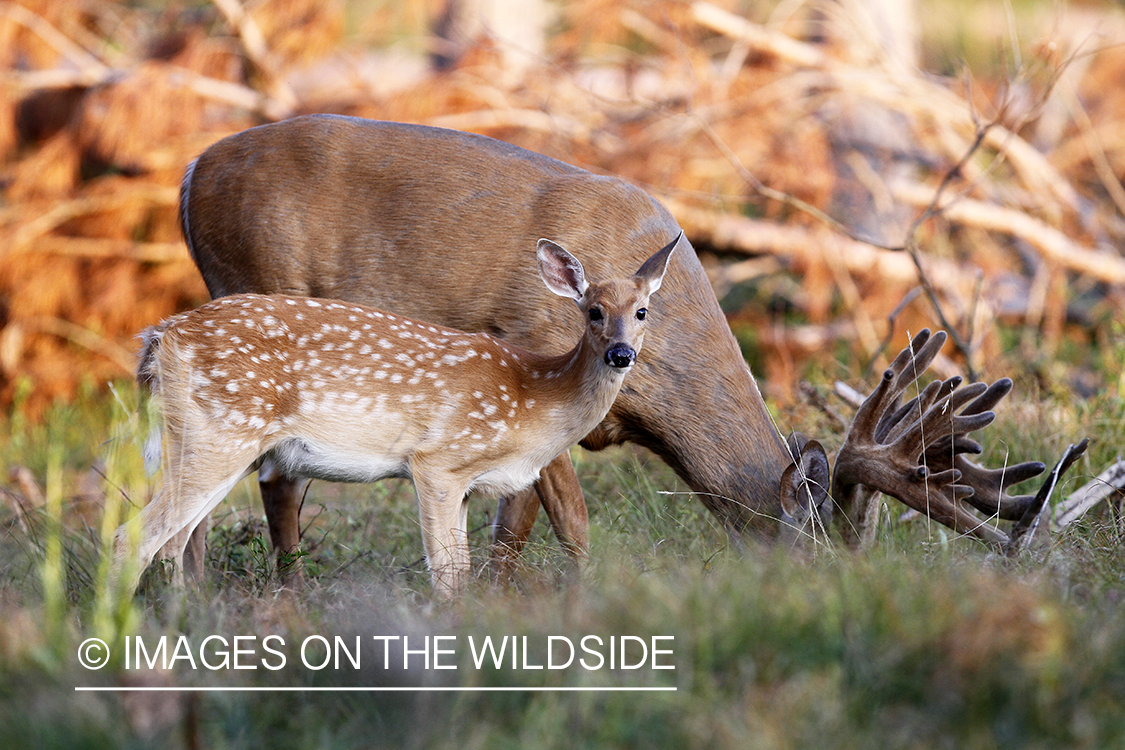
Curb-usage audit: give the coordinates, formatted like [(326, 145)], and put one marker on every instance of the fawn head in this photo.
[(615, 311)]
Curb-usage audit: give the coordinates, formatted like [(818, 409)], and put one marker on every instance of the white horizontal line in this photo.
[(290, 689)]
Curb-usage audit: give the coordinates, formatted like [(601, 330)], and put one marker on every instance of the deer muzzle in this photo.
[(620, 356)]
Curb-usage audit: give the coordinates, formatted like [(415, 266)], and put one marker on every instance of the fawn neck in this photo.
[(571, 391)]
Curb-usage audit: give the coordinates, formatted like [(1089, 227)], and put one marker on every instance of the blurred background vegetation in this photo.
[(744, 117)]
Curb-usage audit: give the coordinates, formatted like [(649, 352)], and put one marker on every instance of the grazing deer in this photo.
[(342, 392), (345, 208)]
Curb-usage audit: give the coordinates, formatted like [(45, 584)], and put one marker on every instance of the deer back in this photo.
[(434, 224)]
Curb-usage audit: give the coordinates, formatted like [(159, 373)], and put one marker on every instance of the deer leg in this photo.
[(565, 504), (188, 551), (182, 503), (281, 498), (515, 517), (558, 490), (443, 512), (195, 551)]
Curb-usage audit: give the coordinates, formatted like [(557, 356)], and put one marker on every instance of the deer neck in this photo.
[(576, 390)]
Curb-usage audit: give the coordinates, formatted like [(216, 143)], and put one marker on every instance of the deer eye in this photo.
[(642, 313), (596, 314)]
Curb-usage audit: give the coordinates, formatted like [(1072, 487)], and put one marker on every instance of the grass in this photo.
[(925, 641)]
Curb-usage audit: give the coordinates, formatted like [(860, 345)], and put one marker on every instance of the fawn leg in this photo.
[(187, 549), (443, 512), (182, 503), (281, 498)]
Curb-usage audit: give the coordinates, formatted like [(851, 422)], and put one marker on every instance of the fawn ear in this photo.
[(561, 271), (653, 270)]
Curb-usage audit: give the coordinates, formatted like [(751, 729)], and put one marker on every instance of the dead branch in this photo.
[(729, 231), (60, 213), (913, 95), (1109, 484), (99, 247), (1053, 244), (531, 119), (813, 395), (758, 38), (1095, 149), (15, 331), (88, 65), (1026, 526)]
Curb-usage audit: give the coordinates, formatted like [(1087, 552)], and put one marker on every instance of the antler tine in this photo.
[(916, 359), (991, 396), (882, 452), (941, 422), (988, 485), (910, 362), (917, 452), (942, 451), (1030, 518), (895, 422)]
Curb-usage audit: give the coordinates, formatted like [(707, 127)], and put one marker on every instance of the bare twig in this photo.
[(91, 67), (63, 212), (940, 106), (911, 247), (781, 196), (758, 37), (1053, 244), (892, 317), (813, 395), (282, 100)]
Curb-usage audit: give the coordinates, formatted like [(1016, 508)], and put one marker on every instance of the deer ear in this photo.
[(804, 484), (653, 270), (561, 271)]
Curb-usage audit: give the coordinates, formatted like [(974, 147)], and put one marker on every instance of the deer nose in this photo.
[(620, 355)]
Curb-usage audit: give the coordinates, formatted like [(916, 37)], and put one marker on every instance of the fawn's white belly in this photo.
[(308, 458), (508, 477)]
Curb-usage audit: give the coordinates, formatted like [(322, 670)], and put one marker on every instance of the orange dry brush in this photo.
[(744, 125)]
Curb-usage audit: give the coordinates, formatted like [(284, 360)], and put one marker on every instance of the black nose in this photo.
[(620, 355)]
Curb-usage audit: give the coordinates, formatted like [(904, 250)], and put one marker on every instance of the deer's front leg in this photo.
[(443, 511), (515, 517)]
